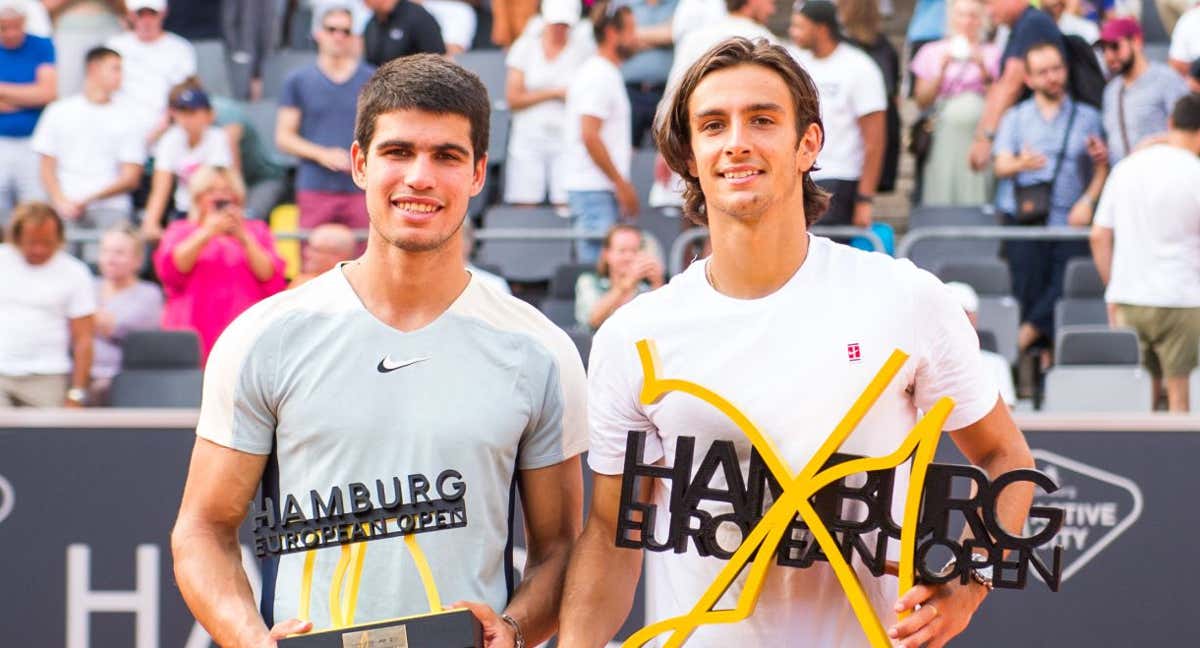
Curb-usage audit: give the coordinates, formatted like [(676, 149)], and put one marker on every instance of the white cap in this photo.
[(154, 5), (965, 295), (561, 11), (14, 6)]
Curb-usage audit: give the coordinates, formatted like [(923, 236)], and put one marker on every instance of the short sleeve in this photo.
[(133, 147), (238, 407), (1105, 209), (289, 94), (82, 301), (1008, 140), (520, 53), (46, 54), (187, 61), (217, 153), (43, 140), (950, 364), (557, 388), (168, 150), (870, 93), (592, 97), (614, 383), (927, 60), (1185, 40)]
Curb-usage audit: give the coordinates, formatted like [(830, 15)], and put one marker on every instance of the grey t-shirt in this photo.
[(327, 112), (336, 397), (1147, 104), (137, 308)]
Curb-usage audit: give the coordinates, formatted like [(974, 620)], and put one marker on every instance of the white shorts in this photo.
[(528, 172)]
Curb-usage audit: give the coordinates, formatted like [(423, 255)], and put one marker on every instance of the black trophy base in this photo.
[(453, 629)]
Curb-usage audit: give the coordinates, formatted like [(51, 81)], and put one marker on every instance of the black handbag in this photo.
[(1033, 200), (920, 137)]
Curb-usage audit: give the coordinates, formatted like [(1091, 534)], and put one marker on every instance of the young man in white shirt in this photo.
[(153, 60), (791, 328), (48, 301), (91, 148), (853, 105), (1146, 243), (1185, 41), (598, 133)]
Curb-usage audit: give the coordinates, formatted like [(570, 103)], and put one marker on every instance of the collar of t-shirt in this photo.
[(805, 275)]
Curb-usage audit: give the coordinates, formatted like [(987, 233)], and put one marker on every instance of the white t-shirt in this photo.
[(90, 142), (793, 362), (850, 86), (1151, 204), (148, 70), (701, 39), (455, 18), (1185, 40), (599, 91), (172, 152), (1073, 25), (37, 303), (691, 15), (542, 122)]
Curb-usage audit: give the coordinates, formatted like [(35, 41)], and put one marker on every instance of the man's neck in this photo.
[(824, 48), (95, 94), (151, 39), (609, 53), (336, 66), (753, 260), (408, 290), (1136, 70), (119, 284), (1048, 106), (1189, 142)]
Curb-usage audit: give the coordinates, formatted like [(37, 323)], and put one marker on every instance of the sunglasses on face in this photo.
[(344, 31)]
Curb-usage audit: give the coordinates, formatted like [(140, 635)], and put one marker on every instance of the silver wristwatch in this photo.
[(77, 395), (981, 575)]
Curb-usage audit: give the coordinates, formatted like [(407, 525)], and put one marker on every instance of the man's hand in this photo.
[(68, 209), (496, 632), (647, 267), (335, 159), (980, 154), (627, 199), (945, 611), (862, 214), (285, 629), (1030, 160), (151, 230), (1097, 150), (1081, 213)]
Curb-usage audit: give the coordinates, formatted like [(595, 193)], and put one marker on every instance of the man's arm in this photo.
[(129, 178), (204, 544), (552, 499), (602, 577), (1000, 97), (590, 131), (288, 140), (996, 445), (873, 129), (42, 91), (82, 332), (1101, 240)]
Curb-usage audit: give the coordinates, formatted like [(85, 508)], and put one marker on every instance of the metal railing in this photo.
[(1010, 233), (687, 237)]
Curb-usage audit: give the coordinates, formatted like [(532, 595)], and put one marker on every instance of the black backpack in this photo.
[(1086, 79)]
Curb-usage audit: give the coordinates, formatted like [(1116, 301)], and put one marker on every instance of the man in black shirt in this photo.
[(400, 28)]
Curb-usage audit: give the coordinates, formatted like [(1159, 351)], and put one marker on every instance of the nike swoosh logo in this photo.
[(387, 365)]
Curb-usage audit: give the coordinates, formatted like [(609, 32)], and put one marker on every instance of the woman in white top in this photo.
[(539, 70)]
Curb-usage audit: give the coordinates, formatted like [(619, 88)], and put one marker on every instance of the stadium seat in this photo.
[(1096, 345), (1071, 311), (562, 284), (664, 224), (1082, 388), (987, 340), (212, 66), (498, 136), (1082, 280), (583, 342), (159, 369), (931, 253), (278, 65), (1002, 316), (524, 260), (989, 277), (641, 173), (262, 116), (489, 66), (560, 311)]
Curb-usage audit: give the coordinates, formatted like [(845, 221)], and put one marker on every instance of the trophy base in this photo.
[(452, 629)]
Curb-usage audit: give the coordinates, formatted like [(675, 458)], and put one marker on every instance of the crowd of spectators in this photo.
[(106, 128)]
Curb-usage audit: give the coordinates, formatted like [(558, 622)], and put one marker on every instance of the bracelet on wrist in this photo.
[(518, 636)]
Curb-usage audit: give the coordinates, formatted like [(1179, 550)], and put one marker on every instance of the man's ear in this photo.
[(358, 165), (479, 175), (808, 147)]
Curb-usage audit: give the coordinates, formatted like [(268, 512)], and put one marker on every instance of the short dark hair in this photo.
[(427, 82), (33, 213), (1041, 46), (735, 5), (673, 133), (99, 52), (1185, 116), (605, 14)]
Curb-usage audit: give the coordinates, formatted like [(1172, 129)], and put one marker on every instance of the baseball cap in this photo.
[(561, 11), (191, 99), (821, 12), (1116, 29), (154, 5)]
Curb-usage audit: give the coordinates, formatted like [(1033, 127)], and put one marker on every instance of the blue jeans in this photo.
[(594, 212)]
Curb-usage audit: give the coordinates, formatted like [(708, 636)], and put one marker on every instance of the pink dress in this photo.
[(220, 285), (961, 76)]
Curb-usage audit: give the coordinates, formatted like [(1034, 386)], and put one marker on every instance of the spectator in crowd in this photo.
[(509, 19), (691, 15), (993, 362), (316, 124), (27, 84), (746, 18), (1185, 41), (1139, 97), (1028, 26), (494, 280), (539, 70), (1070, 22), (193, 142), (456, 22), (328, 245), (47, 300), (91, 148), (252, 31), (1027, 147), (624, 270), (861, 22), (597, 133), (1170, 11), (37, 19), (1146, 242), (646, 72), (153, 61), (952, 76), (265, 178), (79, 26), (1193, 79), (124, 304), (399, 28), (216, 263), (853, 104)]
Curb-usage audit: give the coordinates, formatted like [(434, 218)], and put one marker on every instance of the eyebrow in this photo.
[(440, 148), (754, 107)]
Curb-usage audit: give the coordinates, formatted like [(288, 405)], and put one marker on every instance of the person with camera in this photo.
[(624, 271), (1051, 161), (216, 263)]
